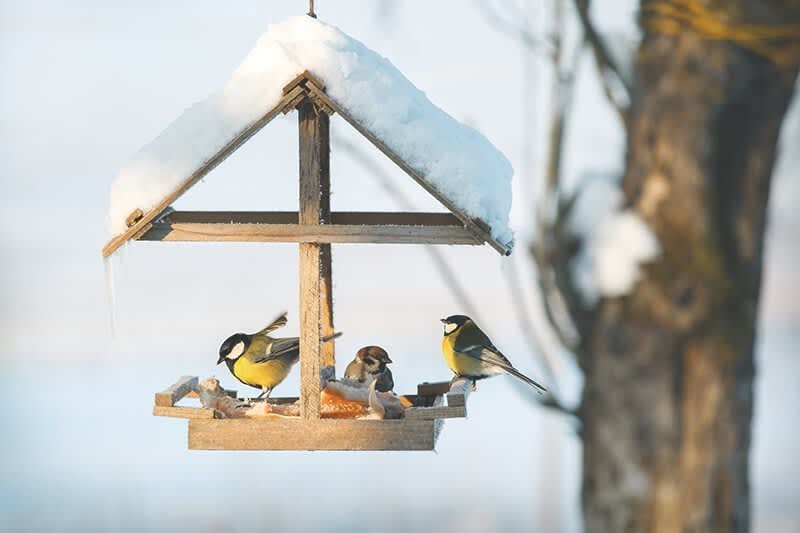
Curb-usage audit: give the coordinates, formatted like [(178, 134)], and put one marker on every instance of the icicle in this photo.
[(108, 264), (123, 259)]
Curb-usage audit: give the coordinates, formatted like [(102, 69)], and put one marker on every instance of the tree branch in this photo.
[(520, 32), (606, 65)]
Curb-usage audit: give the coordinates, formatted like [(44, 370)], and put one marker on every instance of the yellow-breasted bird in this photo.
[(370, 363), (259, 360), (469, 353)]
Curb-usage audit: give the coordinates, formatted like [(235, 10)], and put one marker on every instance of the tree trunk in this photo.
[(669, 368)]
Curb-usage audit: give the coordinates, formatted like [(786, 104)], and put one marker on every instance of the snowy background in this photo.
[(84, 85)]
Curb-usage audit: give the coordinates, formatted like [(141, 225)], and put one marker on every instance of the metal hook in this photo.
[(311, 9)]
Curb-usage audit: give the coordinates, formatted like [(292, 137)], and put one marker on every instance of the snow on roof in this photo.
[(460, 162)]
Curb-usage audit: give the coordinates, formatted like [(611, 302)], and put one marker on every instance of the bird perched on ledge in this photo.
[(469, 353), (370, 363), (259, 360)]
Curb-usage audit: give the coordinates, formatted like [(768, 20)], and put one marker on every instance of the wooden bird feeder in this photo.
[(315, 228)]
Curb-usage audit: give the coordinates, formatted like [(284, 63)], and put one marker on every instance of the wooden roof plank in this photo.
[(204, 169), (303, 85), (480, 229)]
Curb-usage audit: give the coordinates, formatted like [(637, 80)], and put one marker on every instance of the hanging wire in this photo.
[(311, 9)]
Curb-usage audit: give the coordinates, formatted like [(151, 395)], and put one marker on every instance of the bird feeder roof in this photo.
[(452, 161)]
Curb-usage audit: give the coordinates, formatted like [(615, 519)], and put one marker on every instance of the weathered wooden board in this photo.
[(313, 434), (436, 410), (354, 218), (176, 391), (144, 222), (433, 413), (459, 392), (183, 412), (433, 388), (314, 210), (456, 391), (330, 233)]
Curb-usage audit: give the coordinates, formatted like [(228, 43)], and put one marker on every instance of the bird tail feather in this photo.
[(500, 362), (519, 375)]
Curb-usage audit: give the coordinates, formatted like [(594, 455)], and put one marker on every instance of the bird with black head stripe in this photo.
[(261, 361), (470, 353)]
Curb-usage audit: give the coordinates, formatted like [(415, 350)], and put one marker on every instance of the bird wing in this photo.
[(275, 324), (488, 356), (279, 348), (474, 343), (471, 335)]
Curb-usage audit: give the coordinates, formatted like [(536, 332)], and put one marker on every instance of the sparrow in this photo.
[(370, 363)]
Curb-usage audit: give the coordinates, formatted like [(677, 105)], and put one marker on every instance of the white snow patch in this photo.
[(614, 242), (455, 158)]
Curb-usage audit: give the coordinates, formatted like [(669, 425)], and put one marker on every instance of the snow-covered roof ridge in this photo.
[(454, 158)]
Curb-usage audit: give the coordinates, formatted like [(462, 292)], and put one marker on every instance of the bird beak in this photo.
[(388, 359), (221, 359), (443, 320)]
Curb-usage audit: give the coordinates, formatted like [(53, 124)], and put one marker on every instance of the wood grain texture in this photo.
[(433, 388), (353, 218), (314, 208), (314, 434), (437, 410), (331, 233), (173, 394), (302, 79), (328, 349), (204, 169), (459, 392), (183, 412)]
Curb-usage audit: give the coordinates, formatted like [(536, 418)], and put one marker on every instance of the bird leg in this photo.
[(265, 392), (456, 376)]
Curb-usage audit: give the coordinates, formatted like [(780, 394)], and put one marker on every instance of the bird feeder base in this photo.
[(417, 430), (319, 434)]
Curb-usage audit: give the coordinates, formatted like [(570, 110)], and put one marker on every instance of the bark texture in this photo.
[(669, 368)]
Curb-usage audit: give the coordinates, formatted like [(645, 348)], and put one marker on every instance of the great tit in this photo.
[(370, 363), (469, 352), (259, 360)]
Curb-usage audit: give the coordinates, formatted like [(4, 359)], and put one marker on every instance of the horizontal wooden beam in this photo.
[(377, 218), (457, 390), (183, 412), (326, 233), (173, 394), (315, 434), (282, 226)]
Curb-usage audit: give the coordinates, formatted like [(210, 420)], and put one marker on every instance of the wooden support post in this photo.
[(316, 295)]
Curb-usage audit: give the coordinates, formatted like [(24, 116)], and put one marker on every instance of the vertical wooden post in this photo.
[(316, 294)]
